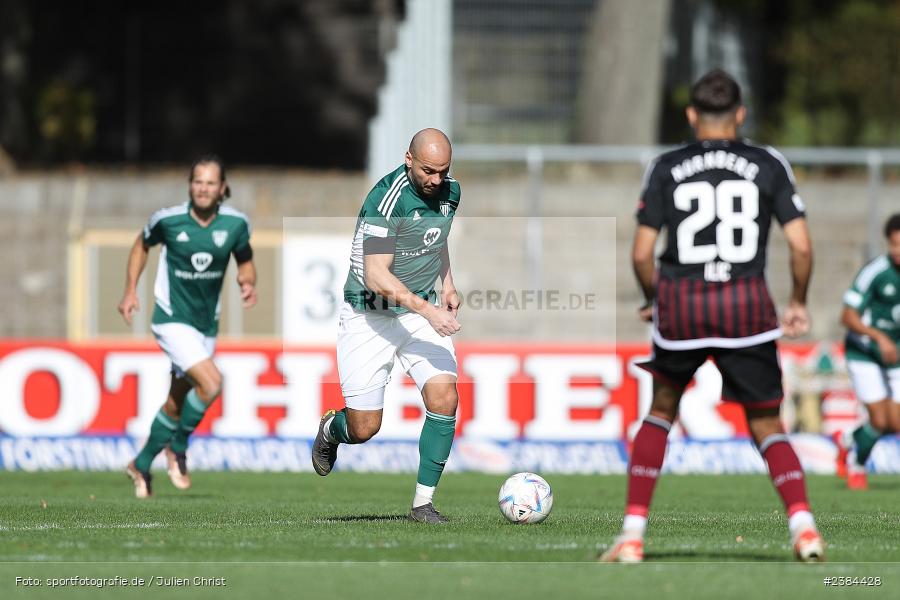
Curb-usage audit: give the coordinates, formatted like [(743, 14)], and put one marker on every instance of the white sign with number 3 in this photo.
[(313, 270)]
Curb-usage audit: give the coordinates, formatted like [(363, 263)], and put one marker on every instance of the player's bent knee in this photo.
[(215, 381), (893, 419), (172, 409), (448, 395), (763, 428), (440, 394), (362, 436), (208, 393), (668, 414), (879, 415), (666, 399), (763, 423), (207, 380), (444, 400), (363, 432), (211, 387)]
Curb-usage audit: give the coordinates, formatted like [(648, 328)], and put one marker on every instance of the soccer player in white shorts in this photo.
[(872, 317), (369, 343), (399, 252), (198, 239)]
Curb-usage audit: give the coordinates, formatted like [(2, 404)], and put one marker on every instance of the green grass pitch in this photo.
[(289, 535)]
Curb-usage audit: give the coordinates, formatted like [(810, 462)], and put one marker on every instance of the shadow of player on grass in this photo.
[(358, 518), (689, 555)]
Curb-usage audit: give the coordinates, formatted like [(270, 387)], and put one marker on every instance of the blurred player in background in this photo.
[(198, 239), (389, 313), (716, 198), (872, 317)]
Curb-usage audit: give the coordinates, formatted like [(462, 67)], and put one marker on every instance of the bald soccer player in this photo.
[(391, 312)]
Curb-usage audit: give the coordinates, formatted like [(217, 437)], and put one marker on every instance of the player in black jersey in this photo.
[(715, 199)]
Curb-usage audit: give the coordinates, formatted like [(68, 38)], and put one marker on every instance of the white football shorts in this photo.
[(183, 344), (872, 382), (369, 342)]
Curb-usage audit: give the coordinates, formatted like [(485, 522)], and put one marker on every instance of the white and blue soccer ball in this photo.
[(525, 498)]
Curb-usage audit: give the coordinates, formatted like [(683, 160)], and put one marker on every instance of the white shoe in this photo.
[(809, 546), (141, 480), (176, 467), (624, 550)]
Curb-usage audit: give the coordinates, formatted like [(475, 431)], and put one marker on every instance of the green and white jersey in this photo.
[(192, 263), (394, 216), (875, 294)]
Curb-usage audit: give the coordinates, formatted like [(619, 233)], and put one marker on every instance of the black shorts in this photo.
[(750, 376)]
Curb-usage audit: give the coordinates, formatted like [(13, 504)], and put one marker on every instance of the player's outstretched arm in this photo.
[(449, 296), (644, 264), (246, 278), (852, 320), (382, 281), (795, 321), (137, 260)]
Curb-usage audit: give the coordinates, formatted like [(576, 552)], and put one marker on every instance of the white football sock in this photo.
[(634, 526), (799, 521), (424, 494), (853, 465), (847, 438)]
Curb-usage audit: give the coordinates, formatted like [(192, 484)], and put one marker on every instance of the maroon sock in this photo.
[(786, 472), (648, 451)]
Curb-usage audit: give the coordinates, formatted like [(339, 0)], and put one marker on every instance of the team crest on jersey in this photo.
[(201, 261), (432, 235), (445, 208), (219, 238), (890, 290)]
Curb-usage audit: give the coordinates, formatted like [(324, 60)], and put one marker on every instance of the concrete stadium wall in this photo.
[(40, 214)]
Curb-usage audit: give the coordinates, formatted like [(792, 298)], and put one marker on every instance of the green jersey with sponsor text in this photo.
[(192, 263), (875, 294), (415, 227)]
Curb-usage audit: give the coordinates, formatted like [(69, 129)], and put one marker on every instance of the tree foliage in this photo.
[(266, 82), (842, 73)]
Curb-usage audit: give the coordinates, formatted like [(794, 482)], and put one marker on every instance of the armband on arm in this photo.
[(244, 254)]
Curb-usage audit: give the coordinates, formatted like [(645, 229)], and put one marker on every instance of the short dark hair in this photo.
[(215, 159), (716, 93), (892, 225)]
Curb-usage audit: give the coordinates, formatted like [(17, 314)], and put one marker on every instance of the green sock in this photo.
[(865, 437), (338, 428), (434, 447), (191, 414), (161, 431)]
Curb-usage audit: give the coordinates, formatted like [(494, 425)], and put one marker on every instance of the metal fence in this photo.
[(527, 90), (536, 157), (43, 297)]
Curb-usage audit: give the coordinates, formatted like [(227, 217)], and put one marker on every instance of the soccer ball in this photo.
[(525, 498)]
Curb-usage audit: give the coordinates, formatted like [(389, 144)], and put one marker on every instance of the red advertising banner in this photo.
[(523, 391), (536, 407)]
